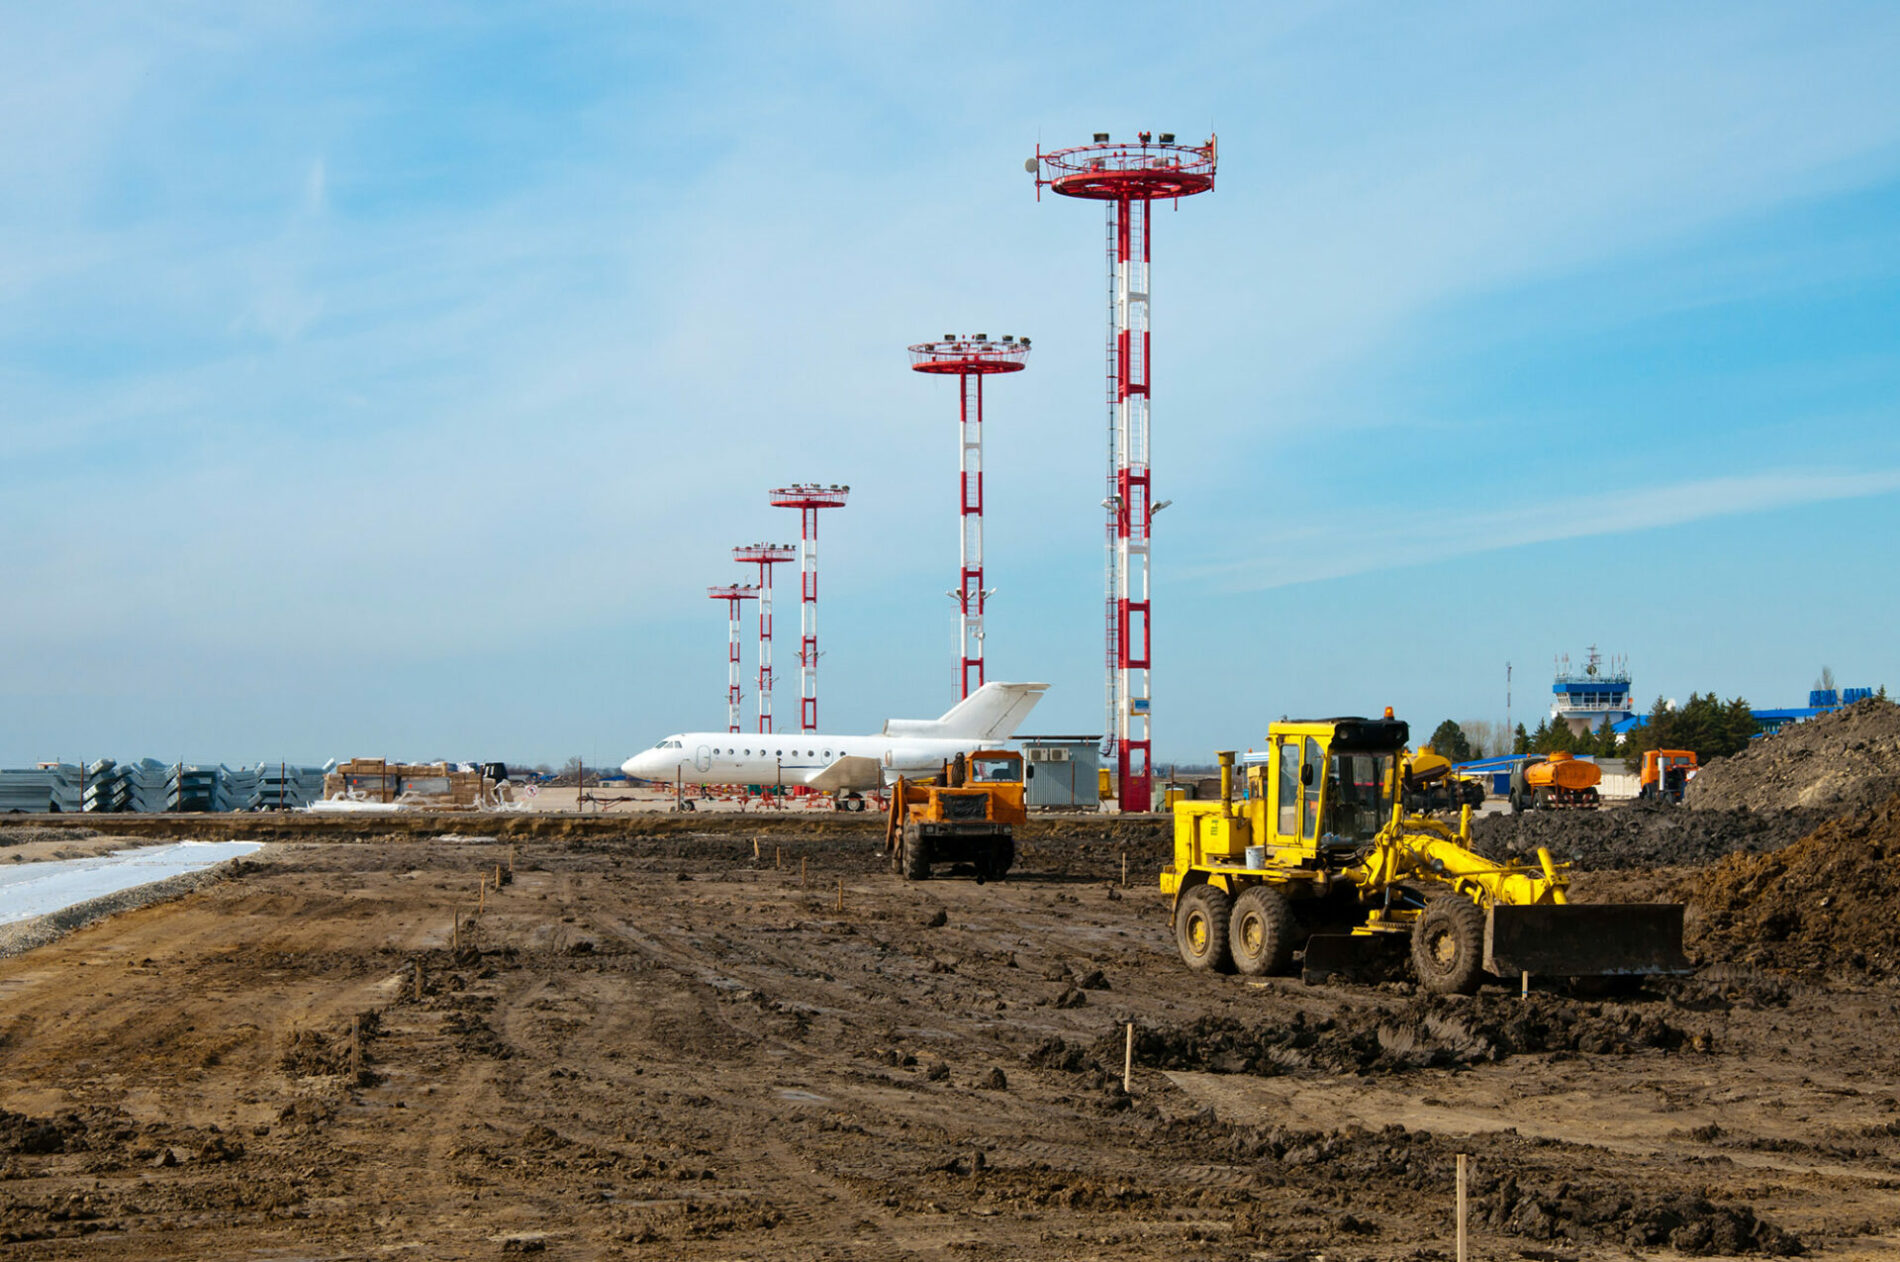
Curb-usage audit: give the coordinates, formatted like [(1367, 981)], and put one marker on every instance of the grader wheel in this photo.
[(1201, 929), (1260, 935), (1448, 946)]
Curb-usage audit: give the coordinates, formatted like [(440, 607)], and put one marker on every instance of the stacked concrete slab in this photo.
[(151, 787)]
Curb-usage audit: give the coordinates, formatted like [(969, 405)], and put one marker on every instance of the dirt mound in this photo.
[(1420, 1034), (1829, 904), (34, 1135), (1688, 1224), (1844, 761), (312, 1053), (1514, 1193), (1640, 836)]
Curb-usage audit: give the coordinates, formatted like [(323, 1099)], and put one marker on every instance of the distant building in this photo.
[(1584, 699), (1820, 701)]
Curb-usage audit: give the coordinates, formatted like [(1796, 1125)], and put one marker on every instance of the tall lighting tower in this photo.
[(970, 359), (1128, 177), (765, 556), (735, 597), (808, 498)]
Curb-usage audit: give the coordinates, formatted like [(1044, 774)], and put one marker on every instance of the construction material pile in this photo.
[(37, 790), (150, 787), (1845, 761), (1642, 836), (1828, 904), (437, 785)]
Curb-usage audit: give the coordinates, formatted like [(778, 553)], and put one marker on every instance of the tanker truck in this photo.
[(1543, 782)]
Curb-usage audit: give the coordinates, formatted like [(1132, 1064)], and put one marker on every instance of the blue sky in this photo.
[(394, 379)]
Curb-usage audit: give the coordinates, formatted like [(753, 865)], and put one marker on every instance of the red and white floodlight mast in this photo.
[(808, 498), (735, 597), (1127, 177), (970, 359), (765, 556)]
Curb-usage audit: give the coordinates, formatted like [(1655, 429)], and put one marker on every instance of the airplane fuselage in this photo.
[(906, 747), (791, 758)]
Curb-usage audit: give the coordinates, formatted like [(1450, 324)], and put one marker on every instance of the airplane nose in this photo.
[(632, 767)]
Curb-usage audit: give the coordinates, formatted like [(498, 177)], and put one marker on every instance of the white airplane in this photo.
[(840, 763)]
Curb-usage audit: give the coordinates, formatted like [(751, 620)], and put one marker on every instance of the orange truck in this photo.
[(967, 816), (1666, 773), (1554, 781)]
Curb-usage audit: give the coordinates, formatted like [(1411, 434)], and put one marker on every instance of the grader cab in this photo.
[(968, 815), (1318, 859)]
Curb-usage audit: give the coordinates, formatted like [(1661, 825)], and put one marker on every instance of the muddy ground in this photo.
[(653, 1044)]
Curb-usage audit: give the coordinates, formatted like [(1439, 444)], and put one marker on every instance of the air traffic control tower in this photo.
[(1584, 699)]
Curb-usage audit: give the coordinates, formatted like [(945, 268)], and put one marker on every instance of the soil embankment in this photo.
[(1640, 835), (1828, 904), (1836, 764)]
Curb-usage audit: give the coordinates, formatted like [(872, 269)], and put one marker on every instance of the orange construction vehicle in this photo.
[(968, 815), (1666, 773)]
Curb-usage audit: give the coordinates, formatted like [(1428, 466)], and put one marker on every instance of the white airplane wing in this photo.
[(849, 772)]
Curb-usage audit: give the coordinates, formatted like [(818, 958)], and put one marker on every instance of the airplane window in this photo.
[(748, 753)]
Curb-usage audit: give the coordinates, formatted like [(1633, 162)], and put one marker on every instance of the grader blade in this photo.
[(1345, 956), (1585, 940)]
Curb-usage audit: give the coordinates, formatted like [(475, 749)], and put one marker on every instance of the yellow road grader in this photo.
[(1316, 858)]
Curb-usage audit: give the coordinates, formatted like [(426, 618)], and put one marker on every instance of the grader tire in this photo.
[(1001, 859), (1260, 935), (916, 854), (1448, 946), (1201, 929)]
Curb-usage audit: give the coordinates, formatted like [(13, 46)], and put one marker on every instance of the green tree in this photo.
[(1450, 741), (1738, 725), (1713, 728), (1520, 741)]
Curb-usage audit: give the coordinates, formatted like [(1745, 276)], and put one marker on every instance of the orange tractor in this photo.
[(968, 815)]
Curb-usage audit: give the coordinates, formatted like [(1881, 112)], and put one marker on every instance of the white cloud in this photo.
[(1397, 542)]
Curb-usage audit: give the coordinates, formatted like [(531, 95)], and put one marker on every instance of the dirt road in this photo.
[(653, 1044)]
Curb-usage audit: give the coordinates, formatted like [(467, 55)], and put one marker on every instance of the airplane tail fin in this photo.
[(991, 713)]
